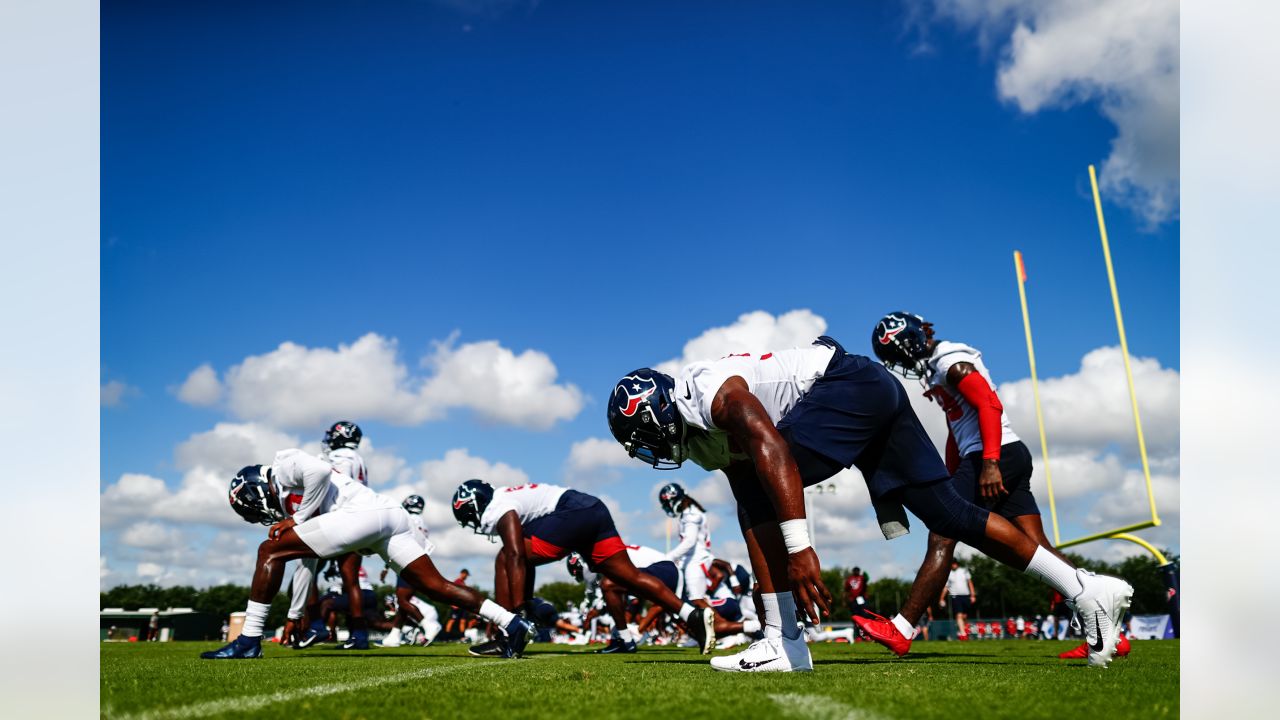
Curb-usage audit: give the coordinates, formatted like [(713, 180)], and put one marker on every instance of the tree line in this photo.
[(1002, 592)]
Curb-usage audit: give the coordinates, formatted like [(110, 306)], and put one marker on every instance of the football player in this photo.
[(541, 523), (648, 561), (336, 515), (779, 421), (338, 448), (422, 614), (989, 465)]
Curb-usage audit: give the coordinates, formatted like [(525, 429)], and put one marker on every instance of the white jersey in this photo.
[(420, 532), (641, 556), (778, 379), (530, 502), (308, 486), (349, 463), (961, 416), (958, 581), (695, 539)]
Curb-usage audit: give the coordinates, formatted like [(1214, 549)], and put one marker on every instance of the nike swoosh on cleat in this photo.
[(1097, 647), (753, 665)]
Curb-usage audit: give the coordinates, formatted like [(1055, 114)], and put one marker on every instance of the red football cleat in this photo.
[(1077, 653), (884, 632), (1082, 652)]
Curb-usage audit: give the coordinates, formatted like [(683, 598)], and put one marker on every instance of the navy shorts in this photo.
[(961, 604), (1015, 470), (580, 523), (727, 608), (342, 603), (666, 572), (856, 415)]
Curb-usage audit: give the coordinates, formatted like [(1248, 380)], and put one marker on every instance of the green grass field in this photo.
[(997, 679)]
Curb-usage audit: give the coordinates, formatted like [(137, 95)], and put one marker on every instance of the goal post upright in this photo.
[(1124, 345), (1021, 272)]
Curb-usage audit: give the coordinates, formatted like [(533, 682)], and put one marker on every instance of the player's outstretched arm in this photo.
[(740, 414), (513, 557), (975, 389)]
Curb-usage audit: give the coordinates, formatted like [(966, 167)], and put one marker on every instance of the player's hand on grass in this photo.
[(279, 528), (805, 573), (991, 483)]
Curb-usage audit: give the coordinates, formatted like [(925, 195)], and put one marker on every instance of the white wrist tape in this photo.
[(795, 534)]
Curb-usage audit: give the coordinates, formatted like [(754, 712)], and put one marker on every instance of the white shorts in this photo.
[(385, 531), (429, 612), (695, 579)]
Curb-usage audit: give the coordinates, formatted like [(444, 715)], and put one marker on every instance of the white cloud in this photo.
[(295, 386), (596, 461), (149, 571), (1090, 409), (752, 332), (499, 385), (201, 388), (208, 460), (113, 393), (150, 535), (1123, 54), (230, 446)]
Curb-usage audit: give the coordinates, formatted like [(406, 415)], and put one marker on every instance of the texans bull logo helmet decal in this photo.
[(631, 391)]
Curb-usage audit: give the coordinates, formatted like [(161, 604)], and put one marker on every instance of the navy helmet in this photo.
[(670, 497), (342, 434), (574, 564), (251, 497), (469, 502), (414, 504), (643, 417), (901, 341)]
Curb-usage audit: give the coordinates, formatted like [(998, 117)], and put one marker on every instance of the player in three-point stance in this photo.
[(779, 421), (989, 465), (336, 515), (339, 449), (541, 523), (647, 560)]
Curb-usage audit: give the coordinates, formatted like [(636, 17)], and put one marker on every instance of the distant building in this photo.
[(175, 624)]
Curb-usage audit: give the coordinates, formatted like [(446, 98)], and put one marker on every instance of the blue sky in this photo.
[(594, 184)]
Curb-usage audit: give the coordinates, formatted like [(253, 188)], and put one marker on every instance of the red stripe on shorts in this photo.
[(543, 549), (606, 549)]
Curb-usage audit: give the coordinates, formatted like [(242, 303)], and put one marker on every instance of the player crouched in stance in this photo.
[(647, 560), (541, 523), (989, 465), (780, 421), (336, 515)]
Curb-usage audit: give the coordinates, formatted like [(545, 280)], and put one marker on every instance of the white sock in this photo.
[(904, 627), (255, 618), (686, 611), (772, 615), (750, 626), (625, 635), (780, 615), (1055, 573), (495, 613)]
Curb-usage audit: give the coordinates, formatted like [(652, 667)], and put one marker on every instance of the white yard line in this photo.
[(256, 702), (820, 707)]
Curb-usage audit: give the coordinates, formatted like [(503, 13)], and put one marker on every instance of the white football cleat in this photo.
[(731, 641), (768, 655), (1100, 607)]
